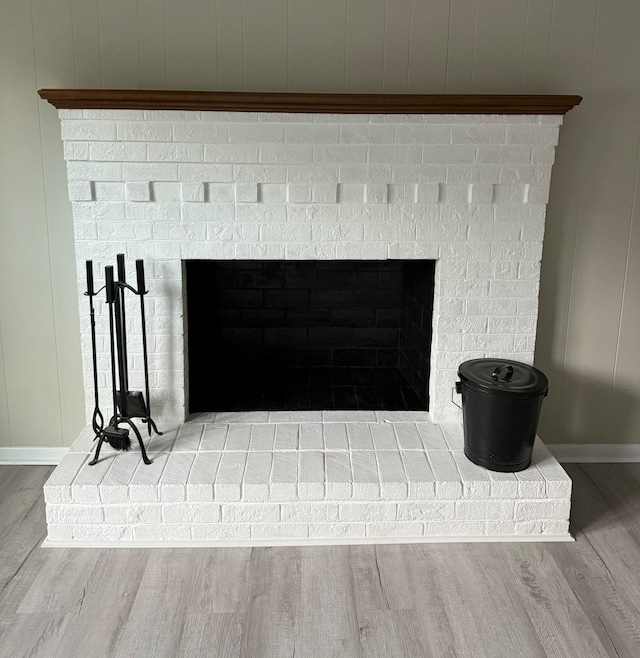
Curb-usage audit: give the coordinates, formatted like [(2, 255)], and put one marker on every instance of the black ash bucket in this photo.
[(501, 403)]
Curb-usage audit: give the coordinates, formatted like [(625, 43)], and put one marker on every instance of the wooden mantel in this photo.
[(127, 99)]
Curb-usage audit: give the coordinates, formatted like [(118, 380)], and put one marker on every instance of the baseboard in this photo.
[(34, 455), (595, 452), (254, 543)]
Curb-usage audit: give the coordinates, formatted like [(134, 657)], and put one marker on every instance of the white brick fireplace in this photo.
[(467, 190)]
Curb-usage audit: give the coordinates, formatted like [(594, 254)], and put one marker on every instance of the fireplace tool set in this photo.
[(127, 404)]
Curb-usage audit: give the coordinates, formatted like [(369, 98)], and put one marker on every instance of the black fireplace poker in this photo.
[(127, 405)]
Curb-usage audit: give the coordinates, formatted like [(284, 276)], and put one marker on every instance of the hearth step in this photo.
[(301, 478)]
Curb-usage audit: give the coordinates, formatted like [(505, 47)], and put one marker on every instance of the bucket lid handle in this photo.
[(507, 369)]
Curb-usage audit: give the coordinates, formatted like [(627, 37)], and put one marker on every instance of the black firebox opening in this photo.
[(308, 335)]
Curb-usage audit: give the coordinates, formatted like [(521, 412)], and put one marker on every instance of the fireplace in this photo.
[(269, 224), (308, 335), (307, 178)]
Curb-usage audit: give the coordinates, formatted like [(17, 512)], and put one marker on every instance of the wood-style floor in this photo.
[(566, 600)]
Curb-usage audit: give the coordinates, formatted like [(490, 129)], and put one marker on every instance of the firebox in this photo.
[(308, 335)]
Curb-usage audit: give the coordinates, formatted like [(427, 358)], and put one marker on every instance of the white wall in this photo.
[(590, 300)]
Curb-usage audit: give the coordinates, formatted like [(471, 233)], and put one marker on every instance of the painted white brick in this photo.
[(366, 134), (311, 476), (221, 192), (359, 435), (287, 436), (164, 532), (365, 512), (256, 477), (427, 134), (94, 171), (425, 511), (83, 129), (547, 135), (75, 514), (538, 194), (481, 193), (228, 483), (256, 134), (393, 481), (393, 154), (250, 513), (447, 476), (477, 135), (340, 154), (449, 155), (428, 193), (312, 134), (395, 529), (543, 155), (221, 531), (99, 532), (280, 531), (272, 192), (408, 436), (531, 483), (232, 154), (59, 532), (324, 193), (454, 528), (508, 155), (76, 150), (118, 151), (137, 191), (200, 132), (246, 193), (336, 530), (335, 436), (531, 510), (432, 436), (55, 494), (143, 131), (174, 477), (309, 512), (366, 479), (175, 153), (80, 191), (238, 437), (198, 173), (351, 193), (149, 172)]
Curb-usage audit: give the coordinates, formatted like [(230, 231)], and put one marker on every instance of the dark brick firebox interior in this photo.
[(308, 335)]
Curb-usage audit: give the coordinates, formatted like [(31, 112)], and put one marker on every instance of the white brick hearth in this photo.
[(302, 477)]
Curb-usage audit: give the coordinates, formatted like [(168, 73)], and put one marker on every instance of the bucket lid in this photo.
[(502, 376)]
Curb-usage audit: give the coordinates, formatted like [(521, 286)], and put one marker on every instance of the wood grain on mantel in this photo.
[(142, 99)]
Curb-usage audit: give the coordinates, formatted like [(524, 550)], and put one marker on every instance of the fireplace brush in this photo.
[(127, 405)]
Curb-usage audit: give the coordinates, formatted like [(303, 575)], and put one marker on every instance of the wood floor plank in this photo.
[(22, 525), (33, 636), (396, 633), (116, 579), (222, 581), (274, 602), (562, 627), (512, 600), (155, 623), (211, 634), (327, 624)]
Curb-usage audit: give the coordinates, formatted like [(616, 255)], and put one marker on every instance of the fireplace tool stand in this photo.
[(127, 405)]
